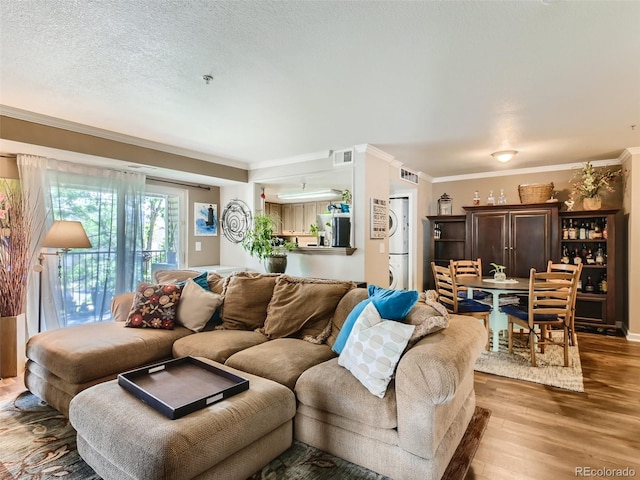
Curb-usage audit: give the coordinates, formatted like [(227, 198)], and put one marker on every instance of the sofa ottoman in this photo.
[(120, 437)]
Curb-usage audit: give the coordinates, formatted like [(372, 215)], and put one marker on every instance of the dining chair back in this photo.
[(468, 268), (551, 299), (571, 268), (449, 296)]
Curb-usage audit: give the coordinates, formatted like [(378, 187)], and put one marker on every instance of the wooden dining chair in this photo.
[(469, 268), (550, 302), (567, 267), (447, 289)]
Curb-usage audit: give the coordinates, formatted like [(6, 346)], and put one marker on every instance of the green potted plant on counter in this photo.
[(259, 242)]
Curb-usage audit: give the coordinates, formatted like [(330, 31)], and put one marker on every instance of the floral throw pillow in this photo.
[(154, 306)]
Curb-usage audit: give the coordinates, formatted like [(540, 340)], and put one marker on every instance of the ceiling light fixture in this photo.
[(326, 193), (504, 155)]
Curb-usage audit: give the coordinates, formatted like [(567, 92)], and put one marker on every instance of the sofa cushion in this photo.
[(281, 360), (173, 276), (196, 305), (345, 306), (217, 345), (246, 297), (374, 348), (216, 282), (302, 307), (154, 306), (85, 352), (322, 386), (121, 306)]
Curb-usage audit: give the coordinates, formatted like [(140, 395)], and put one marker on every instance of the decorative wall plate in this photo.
[(235, 220)]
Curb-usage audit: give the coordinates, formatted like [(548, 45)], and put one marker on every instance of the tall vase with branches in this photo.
[(15, 239)]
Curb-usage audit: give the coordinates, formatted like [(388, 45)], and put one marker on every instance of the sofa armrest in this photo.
[(121, 306), (432, 381)]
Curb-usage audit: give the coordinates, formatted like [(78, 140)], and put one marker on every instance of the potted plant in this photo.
[(259, 242), (499, 274), (589, 182), (15, 263), (346, 200)]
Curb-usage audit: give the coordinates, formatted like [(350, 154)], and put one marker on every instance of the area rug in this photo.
[(550, 370), (38, 442)]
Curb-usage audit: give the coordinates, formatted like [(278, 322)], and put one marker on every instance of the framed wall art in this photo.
[(205, 219)]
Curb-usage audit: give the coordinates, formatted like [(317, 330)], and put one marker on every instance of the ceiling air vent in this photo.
[(409, 176), (343, 157)]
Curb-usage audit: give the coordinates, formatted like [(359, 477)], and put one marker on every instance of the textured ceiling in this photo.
[(439, 85)]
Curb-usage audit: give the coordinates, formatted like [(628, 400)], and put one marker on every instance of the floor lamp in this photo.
[(63, 235)]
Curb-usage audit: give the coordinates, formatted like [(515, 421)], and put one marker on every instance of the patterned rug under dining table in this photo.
[(497, 319)]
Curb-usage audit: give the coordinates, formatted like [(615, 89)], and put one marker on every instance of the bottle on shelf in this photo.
[(576, 258), (603, 283), (573, 234), (565, 230), (437, 232), (599, 258), (491, 200), (579, 284), (502, 198), (589, 286), (589, 259), (565, 255), (604, 231), (583, 252), (582, 233), (476, 198), (597, 231)]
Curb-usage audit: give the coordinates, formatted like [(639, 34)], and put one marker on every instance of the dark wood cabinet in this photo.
[(599, 248), (520, 237)]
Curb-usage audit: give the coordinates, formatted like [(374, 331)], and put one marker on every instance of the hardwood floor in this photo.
[(538, 432)]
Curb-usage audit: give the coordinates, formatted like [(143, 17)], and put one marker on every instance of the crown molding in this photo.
[(523, 171), (629, 153), (305, 157), (54, 122)]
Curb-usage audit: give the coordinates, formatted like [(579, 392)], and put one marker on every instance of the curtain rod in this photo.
[(182, 184)]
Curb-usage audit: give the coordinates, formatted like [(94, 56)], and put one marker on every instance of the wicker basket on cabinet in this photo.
[(535, 192)]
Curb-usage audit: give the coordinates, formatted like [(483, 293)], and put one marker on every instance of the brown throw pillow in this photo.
[(246, 297), (302, 307), (428, 316), (154, 306), (216, 282)]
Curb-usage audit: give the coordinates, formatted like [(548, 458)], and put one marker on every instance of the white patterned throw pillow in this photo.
[(373, 349)]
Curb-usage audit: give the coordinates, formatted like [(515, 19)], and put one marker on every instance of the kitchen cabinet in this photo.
[(287, 219), (309, 216), (520, 237), (593, 238), (275, 211)]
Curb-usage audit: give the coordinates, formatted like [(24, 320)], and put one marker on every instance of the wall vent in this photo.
[(409, 176), (343, 157)]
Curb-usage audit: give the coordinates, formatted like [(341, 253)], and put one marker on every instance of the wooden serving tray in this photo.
[(181, 386)]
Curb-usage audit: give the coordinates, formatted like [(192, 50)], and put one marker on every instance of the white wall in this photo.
[(631, 163)]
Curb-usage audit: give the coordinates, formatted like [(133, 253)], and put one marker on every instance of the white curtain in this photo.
[(78, 286), (35, 191)]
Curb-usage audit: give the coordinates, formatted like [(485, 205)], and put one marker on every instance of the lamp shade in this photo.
[(66, 234), (504, 155)]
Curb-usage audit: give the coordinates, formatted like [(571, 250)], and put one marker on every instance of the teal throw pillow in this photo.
[(393, 304), (200, 280), (341, 339)]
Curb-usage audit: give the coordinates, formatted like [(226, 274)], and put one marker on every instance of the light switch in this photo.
[(198, 246)]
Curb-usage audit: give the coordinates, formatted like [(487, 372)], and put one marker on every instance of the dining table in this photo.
[(497, 318)]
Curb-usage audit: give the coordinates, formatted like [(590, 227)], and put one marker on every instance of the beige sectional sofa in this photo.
[(411, 432)]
